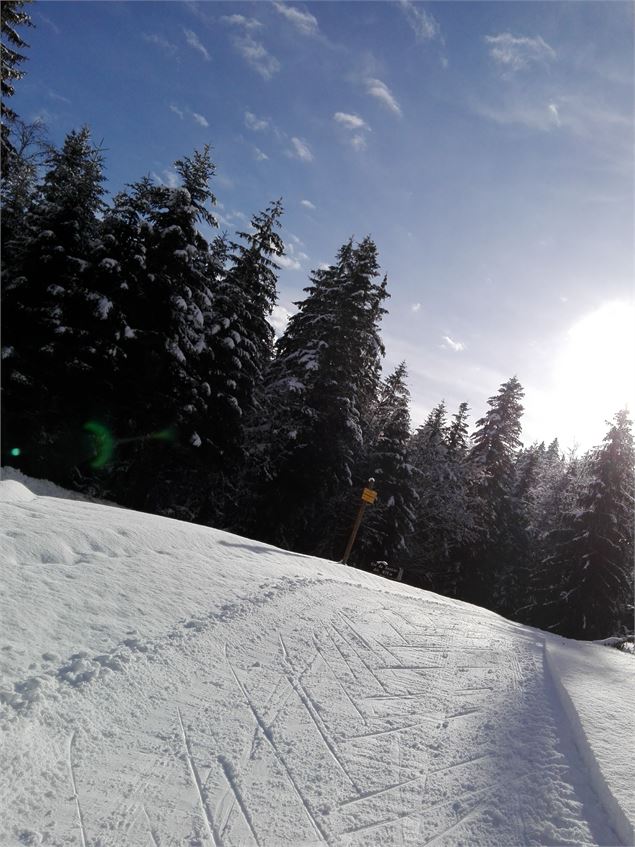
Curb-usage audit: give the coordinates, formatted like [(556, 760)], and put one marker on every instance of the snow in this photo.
[(604, 730), (167, 683)]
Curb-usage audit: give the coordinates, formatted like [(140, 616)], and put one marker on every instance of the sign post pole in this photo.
[(369, 495)]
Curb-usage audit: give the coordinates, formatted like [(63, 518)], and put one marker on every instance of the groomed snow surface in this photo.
[(169, 684)]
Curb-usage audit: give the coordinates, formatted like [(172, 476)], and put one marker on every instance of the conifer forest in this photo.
[(139, 366)]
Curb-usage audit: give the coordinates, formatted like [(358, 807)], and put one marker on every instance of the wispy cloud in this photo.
[(195, 43), (58, 97), (350, 121), (49, 23), (166, 177), (355, 125), (300, 150), (553, 110), (183, 112), (303, 21), (378, 89), (288, 263), (293, 258), (308, 205), (160, 42), (457, 346), (256, 124), (241, 20), (515, 53), (256, 55), (424, 25)]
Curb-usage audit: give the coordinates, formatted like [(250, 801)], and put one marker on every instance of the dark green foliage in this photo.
[(588, 578), (444, 481), (388, 523), (489, 576), (318, 389)]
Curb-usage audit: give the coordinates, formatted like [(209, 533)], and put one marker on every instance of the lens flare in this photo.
[(104, 444)]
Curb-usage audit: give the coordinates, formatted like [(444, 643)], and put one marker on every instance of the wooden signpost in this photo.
[(369, 495)]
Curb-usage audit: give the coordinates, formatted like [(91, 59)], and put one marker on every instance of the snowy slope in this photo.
[(169, 684)]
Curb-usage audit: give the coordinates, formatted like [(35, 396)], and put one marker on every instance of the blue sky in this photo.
[(487, 148)]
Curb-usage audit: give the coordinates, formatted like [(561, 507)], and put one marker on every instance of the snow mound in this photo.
[(15, 492), (167, 683)]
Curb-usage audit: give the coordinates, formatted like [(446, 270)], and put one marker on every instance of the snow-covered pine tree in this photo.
[(388, 525), (457, 431), (47, 304), (242, 346), (444, 519), (12, 16), (488, 578), (325, 372), (156, 254), (589, 592)]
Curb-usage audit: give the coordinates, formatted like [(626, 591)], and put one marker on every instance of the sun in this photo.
[(594, 373)]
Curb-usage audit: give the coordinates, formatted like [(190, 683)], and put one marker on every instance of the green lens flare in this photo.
[(104, 444), (15, 451), (168, 434)]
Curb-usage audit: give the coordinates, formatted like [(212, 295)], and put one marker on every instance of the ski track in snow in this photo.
[(305, 711)]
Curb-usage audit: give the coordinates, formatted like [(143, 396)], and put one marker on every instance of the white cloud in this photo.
[(177, 111), (424, 25), (301, 150), (161, 42), (259, 155), (354, 124), (288, 263), (303, 21), (241, 20), (377, 88), (457, 346), (195, 43), (308, 205), (416, 307), (279, 318), (200, 119), (257, 55), (553, 111), (254, 123), (166, 177), (350, 121), (514, 53)]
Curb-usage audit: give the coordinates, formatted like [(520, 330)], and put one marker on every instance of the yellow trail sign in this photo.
[(368, 495)]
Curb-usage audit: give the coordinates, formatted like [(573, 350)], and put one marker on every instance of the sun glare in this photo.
[(594, 373)]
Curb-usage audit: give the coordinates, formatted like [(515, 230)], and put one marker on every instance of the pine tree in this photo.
[(242, 347), (489, 577), (12, 15), (589, 593), (155, 254), (389, 523), (457, 431), (444, 516), (324, 376), (48, 305)]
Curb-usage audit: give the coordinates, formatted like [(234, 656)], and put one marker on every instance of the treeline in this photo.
[(140, 366)]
